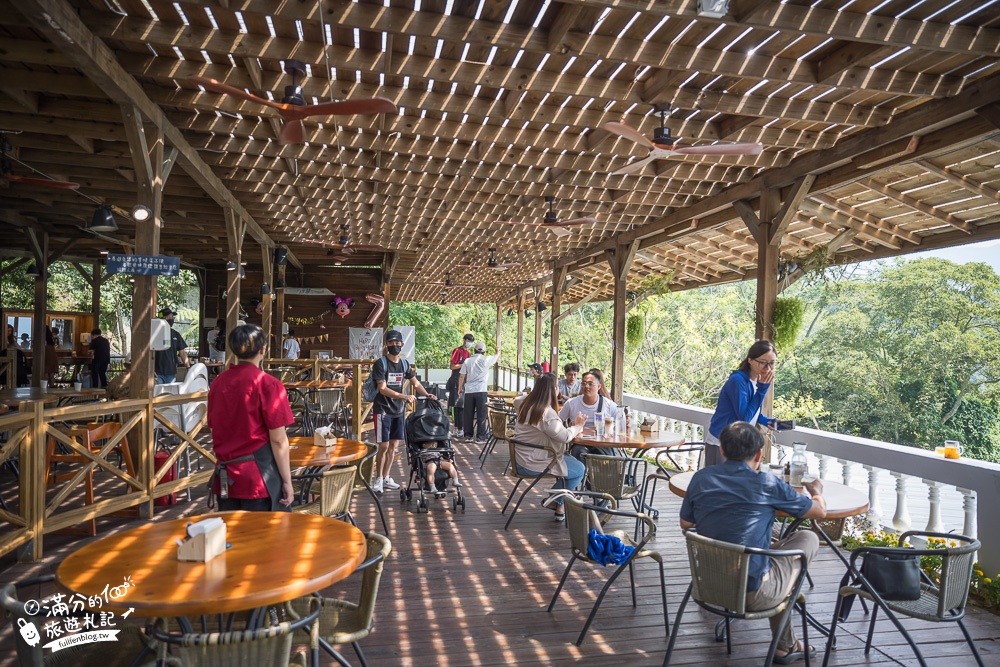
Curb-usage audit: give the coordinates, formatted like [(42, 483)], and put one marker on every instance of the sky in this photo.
[(987, 252)]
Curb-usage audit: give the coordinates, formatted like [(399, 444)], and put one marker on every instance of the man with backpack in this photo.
[(389, 407)]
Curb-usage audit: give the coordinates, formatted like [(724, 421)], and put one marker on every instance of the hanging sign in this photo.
[(144, 265)]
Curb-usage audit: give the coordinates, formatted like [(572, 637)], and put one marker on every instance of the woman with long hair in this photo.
[(742, 396), (538, 423)]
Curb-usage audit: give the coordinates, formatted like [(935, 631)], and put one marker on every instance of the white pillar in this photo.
[(934, 523), (873, 502), (969, 505), (901, 519)]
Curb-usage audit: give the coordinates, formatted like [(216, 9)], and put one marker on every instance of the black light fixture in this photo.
[(141, 213), (103, 220), (510, 312), (33, 271), (527, 313), (243, 273), (541, 307), (230, 266), (280, 256), (265, 289)]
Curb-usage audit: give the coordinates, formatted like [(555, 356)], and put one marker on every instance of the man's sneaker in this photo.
[(459, 433), (377, 485), (390, 483)]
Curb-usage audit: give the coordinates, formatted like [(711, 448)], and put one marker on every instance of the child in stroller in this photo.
[(431, 456)]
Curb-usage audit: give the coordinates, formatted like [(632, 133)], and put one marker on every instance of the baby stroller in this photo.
[(429, 424)]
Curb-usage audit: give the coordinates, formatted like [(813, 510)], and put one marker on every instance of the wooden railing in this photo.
[(325, 369), (44, 507), (952, 489), (509, 378), (8, 368)]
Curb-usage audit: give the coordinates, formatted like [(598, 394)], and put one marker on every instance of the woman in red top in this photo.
[(248, 411)]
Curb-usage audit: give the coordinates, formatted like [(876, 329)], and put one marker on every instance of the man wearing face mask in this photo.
[(165, 361), (458, 357), (390, 372)]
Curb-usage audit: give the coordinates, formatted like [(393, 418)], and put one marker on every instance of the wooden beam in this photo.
[(559, 274), (990, 112), (565, 18), (980, 189), (17, 263), (798, 191), (749, 217), (917, 205), (576, 306), (519, 358)]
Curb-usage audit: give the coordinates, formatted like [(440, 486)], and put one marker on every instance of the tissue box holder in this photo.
[(204, 547), (324, 439), (652, 426)]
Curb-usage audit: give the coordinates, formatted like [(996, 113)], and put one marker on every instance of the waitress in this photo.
[(742, 396), (248, 411)]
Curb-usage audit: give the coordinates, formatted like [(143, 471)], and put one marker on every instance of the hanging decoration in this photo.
[(305, 321), (343, 306), (379, 302)]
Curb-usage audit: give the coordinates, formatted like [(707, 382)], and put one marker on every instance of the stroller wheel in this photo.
[(422, 506), (409, 495), (402, 495), (454, 504)]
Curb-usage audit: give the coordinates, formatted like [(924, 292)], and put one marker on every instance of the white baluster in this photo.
[(970, 503), (846, 467), (901, 519), (934, 523), (874, 506), (824, 464)]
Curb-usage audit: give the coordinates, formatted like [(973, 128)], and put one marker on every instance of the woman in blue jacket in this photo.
[(742, 396)]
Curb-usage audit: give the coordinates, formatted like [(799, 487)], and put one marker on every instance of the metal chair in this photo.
[(581, 518), (335, 494), (511, 444), (719, 573), (499, 431), (297, 402), (667, 455), (327, 405), (342, 621), (616, 476), (269, 645), (365, 468), (943, 602)]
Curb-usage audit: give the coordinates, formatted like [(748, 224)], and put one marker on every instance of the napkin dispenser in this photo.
[(205, 540), (324, 437), (650, 426)]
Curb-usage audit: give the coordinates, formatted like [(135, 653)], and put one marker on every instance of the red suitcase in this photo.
[(158, 462)]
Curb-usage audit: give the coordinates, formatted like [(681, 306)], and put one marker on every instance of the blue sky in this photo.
[(984, 251)]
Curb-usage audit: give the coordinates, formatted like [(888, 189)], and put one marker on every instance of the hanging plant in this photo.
[(635, 328), (788, 314)]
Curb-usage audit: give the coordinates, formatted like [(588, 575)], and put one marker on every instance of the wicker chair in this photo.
[(270, 645), (941, 603), (580, 519), (616, 476), (341, 621), (499, 431), (335, 494), (511, 444), (719, 573)]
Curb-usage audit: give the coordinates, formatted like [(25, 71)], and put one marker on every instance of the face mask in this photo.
[(468, 344), (394, 349)]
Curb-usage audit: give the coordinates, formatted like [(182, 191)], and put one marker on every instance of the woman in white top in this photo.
[(538, 423)]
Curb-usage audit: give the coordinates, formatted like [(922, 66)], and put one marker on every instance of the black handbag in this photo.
[(893, 576)]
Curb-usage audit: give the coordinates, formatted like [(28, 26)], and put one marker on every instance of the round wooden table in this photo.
[(841, 501), (12, 397), (303, 452), (637, 440), (275, 557), (502, 394)]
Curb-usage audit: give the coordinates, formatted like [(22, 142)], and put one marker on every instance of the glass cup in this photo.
[(599, 425), (939, 450), (77, 386), (609, 425), (44, 384), (952, 449)]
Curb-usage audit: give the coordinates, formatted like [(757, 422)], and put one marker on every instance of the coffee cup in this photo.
[(44, 384), (952, 449), (77, 386)]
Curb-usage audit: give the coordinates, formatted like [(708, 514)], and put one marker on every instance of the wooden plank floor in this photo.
[(459, 590)]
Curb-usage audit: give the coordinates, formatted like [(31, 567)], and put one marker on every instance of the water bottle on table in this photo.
[(599, 423), (799, 465)]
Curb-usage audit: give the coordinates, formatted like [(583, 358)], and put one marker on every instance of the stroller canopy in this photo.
[(428, 424)]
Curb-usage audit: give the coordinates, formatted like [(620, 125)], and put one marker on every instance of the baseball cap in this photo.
[(468, 336), (480, 346), (537, 366), (167, 312), (393, 335)]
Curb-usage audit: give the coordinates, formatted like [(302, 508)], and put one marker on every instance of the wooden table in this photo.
[(304, 453), (637, 440), (274, 558), (841, 501), (502, 394), (12, 397)]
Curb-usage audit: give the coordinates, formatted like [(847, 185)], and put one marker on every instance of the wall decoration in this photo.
[(343, 306), (379, 301), (364, 343), (304, 321)]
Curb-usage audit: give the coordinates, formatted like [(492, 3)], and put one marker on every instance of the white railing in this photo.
[(921, 489)]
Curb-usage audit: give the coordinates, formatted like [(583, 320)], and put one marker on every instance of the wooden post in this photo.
[(32, 480), (234, 237), (496, 367), (279, 315), (558, 280), (620, 261), (265, 318), (95, 294), (147, 158), (538, 328), (519, 364), (40, 247)]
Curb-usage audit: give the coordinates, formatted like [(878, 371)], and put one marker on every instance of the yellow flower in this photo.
[(953, 543), (988, 580), (979, 572)]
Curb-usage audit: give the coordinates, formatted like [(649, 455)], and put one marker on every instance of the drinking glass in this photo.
[(952, 449)]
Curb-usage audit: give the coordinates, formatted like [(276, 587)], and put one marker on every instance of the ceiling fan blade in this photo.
[(626, 132), (560, 232), (721, 149), (360, 106), (633, 167), (292, 132), (41, 182), (219, 87), (577, 221)]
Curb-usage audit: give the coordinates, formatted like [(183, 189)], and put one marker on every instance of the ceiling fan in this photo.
[(344, 246), (293, 107), (450, 285), (491, 263), (664, 146), (7, 172), (551, 221)]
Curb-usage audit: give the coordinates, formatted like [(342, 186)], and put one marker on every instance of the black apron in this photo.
[(263, 456)]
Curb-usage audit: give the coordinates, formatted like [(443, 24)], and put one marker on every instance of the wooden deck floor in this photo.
[(458, 590)]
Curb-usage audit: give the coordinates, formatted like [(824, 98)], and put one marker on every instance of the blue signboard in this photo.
[(144, 265)]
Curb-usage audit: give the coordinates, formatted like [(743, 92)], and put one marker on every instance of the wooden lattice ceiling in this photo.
[(889, 109)]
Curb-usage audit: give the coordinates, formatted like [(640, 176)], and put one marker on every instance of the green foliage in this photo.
[(635, 327), (788, 314), (439, 329)]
